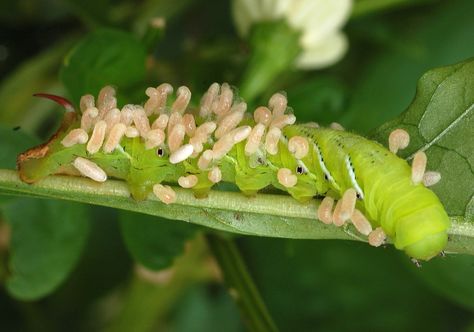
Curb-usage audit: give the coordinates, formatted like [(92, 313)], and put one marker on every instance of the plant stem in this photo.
[(263, 215), (274, 46), (240, 284), (152, 294)]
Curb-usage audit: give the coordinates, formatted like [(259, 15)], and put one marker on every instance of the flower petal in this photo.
[(324, 54), (324, 20)]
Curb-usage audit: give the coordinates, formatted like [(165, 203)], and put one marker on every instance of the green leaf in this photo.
[(440, 122), (12, 142), (154, 242), (322, 99), (452, 277), (386, 84), (104, 57), (330, 285), (38, 74), (93, 13), (47, 240)]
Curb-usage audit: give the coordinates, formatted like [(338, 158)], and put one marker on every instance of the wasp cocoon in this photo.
[(286, 178), (163, 90), (114, 138), (140, 120), (215, 175), (181, 103), (377, 237), (336, 216), (86, 102), (272, 139), (189, 124), (88, 119), (262, 115), (240, 134), (176, 137), (278, 104), (181, 154), (206, 129), (164, 193), (223, 146), (418, 167), (89, 169), (75, 136), (97, 137), (225, 100), (132, 132), (106, 100), (112, 117), (208, 99), (151, 105), (229, 122), (205, 159), (348, 202), (283, 120), (398, 140), (126, 114), (361, 223), (325, 210), (188, 181), (154, 138), (161, 122), (254, 139), (431, 178), (298, 146)]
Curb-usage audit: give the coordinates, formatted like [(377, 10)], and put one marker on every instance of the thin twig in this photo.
[(263, 215)]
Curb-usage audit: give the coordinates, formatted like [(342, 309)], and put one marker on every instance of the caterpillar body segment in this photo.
[(409, 213), (361, 182)]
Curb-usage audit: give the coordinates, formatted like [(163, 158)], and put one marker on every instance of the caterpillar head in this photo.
[(422, 234)]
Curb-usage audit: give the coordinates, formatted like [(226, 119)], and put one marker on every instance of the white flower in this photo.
[(319, 22)]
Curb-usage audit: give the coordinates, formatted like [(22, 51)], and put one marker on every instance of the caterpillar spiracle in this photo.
[(159, 143)]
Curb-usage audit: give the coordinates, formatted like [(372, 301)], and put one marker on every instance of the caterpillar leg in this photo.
[(416, 262), (205, 181)]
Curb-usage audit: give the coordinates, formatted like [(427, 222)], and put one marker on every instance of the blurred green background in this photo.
[(93, 282)]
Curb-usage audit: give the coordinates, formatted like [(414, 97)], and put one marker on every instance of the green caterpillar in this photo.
[(155, 144)]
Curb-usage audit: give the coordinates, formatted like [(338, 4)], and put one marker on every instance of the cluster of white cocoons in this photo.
[(173, 129), (223, 122)]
